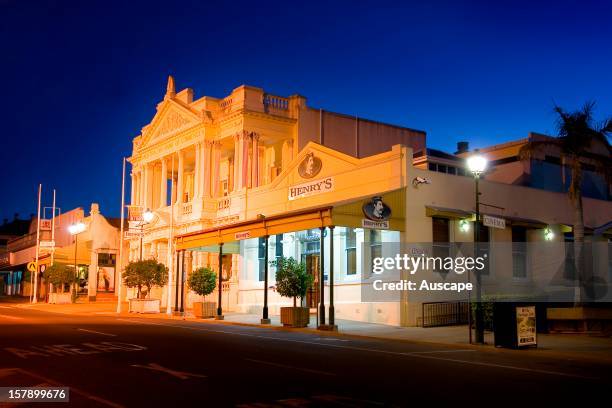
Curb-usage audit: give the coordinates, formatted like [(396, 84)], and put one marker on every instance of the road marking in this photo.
[(367, 350), (441, 351), (330, 339), (73, 350), (307, 370), (183, 375), (6, 307), (97, 332), (11, 317)]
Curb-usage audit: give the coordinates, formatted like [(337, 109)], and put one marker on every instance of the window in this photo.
[(569, 271), (107, 259), (278, 251), (519, 252), (452, 170), (351, 251), (375, 245), (224, 187), (432, 167), (261, 255), (442, 168), (440, 240)]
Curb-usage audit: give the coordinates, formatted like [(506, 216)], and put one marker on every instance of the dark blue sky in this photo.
[(79, 79)]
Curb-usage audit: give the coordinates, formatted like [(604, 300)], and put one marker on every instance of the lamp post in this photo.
[(477, 165), (74, 230), (147, 217)]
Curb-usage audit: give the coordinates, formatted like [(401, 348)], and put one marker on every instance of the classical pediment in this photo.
[(171, 118), (315, 162)]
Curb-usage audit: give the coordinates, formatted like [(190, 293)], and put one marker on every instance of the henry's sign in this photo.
[(311, 188), (493, 222)]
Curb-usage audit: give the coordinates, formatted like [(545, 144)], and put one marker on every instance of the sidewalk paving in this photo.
[(555, 345)]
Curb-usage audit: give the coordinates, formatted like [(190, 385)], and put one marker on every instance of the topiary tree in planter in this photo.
[(203, 282), (147, 273), (293, 281), (59, 275)]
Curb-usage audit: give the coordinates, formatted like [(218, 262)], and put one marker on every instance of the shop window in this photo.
[(351, 251), (432, 166), (261, 256), (105, 259), (519, 252), (440, 240), (569, 271), (278, 252)]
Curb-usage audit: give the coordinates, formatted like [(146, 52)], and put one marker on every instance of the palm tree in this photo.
[(576, 142)]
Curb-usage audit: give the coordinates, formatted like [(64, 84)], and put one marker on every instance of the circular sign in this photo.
[(376, 209), (310, 166)]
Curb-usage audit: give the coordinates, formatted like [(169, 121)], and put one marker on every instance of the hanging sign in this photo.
[(493, 222)]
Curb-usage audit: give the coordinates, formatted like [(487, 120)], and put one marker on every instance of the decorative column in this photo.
[(235, 183), (265, 318), (332, 311), (197, 171), (141, 187), (231, 170), (163, 191), (147, 186), (219, 315), (244, 161), (255, 167), (132, 187), (216, 165), (322, 279), (206, 168), (181, 177)]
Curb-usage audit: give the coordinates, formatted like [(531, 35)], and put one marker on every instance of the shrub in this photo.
[(59, 275), (292, 280), (202, 281), (147, 273)]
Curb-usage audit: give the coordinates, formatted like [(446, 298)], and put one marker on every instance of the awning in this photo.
[(432, 211), (294, 221)]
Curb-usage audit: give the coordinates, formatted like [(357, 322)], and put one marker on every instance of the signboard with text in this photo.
[(311, 188), (493, 222), (134, 212)]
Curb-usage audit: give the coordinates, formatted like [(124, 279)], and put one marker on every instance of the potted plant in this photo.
[(60, 276), (293, 281), (147, 273), (203, 281)]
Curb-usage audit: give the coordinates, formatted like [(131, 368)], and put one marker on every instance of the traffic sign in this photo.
[(32, 266)]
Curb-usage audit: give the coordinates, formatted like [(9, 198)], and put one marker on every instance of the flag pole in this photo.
[(119, 283), (35, 294)]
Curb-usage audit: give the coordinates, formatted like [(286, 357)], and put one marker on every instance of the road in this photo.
[(108, 360)]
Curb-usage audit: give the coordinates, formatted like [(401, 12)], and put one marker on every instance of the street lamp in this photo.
[(477, 164), (147, 217), (74, 230)]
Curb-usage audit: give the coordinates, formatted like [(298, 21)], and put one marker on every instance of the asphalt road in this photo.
[(108, 360)]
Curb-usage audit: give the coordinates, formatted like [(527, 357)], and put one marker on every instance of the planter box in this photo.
[(204, 309), (60, 298), (144, 305), (295, 316)]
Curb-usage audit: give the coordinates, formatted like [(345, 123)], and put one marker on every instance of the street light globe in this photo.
[(477, 164), (147, 216), (76, 228)]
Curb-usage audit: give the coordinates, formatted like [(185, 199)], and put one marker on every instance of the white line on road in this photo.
[(6, 307), (307, 370), (183, 375), (368, 350), (11, 317), (97, 332)]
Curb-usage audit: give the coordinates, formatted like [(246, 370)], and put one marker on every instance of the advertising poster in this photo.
[(526, 326)]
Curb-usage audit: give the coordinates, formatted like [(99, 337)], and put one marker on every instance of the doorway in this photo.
[(312, 268)]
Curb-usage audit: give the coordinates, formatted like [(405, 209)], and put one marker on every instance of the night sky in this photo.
[(80, 79)]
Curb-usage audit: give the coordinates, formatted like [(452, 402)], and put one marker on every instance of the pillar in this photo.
[(147, 186), (255, 167), (216, 165), (332, 311), (206, 169), (181, 177), (132, 187), (176, 286), (197, 174), (235, 183), (220, 285), (265, 319), (322, 279), (244, 161), (163, 191), (141, 189)]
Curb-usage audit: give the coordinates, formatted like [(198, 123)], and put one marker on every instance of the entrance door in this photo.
[(312, 267)]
